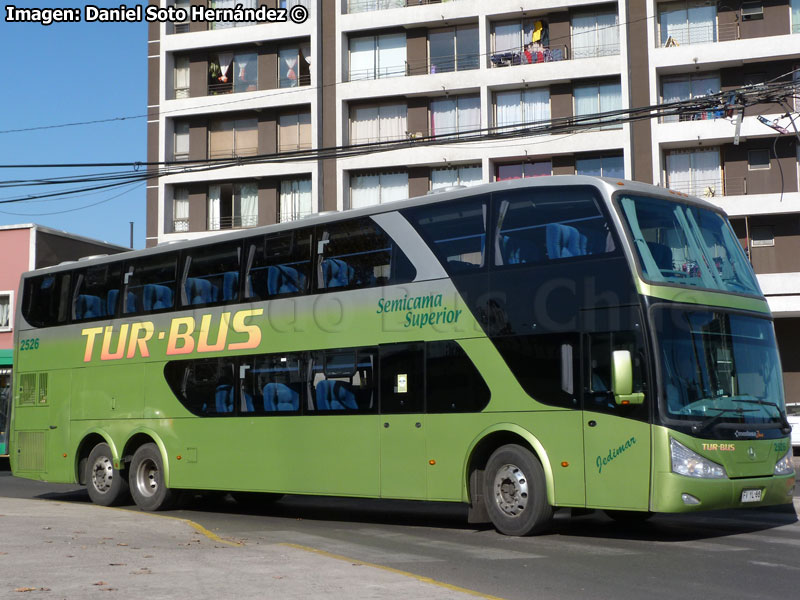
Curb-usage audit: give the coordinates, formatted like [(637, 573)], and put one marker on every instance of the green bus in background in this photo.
[(519, 347)]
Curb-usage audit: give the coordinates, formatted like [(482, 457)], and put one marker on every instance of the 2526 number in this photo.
[(31, 344)]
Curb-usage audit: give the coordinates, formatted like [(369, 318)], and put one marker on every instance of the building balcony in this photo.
[(783, 293)]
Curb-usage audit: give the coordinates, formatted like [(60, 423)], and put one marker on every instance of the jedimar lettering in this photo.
[(184, 336), (613, 453)]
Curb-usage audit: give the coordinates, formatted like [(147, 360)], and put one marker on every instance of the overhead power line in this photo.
[(721, 104)]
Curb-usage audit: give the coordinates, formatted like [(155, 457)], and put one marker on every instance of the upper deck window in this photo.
[(686, 245)]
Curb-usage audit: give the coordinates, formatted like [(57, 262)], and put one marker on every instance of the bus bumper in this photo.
[(674, 493)]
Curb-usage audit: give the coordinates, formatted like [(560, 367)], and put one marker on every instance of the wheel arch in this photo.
[(89, 440), (138, 438), (478, 455)]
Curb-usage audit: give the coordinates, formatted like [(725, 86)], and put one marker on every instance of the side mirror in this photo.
[(622, 378)]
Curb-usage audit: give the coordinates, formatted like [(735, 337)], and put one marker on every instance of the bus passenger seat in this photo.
[(230, 285), (279, 397), (564, 241), (88, 307), (662, 254), (111, 302), (224, 398), (156, 297), (335, 395), (282, 279), (336, 273), (200, 291)]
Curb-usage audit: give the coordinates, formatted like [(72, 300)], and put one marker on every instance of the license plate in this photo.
[(751, 495)]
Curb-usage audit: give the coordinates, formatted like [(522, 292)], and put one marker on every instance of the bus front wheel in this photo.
[(516, 491), (147, 480), (105, 484)]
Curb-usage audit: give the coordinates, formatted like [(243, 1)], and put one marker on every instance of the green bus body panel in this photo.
[(744, 473), (686, 295), (108, 379)]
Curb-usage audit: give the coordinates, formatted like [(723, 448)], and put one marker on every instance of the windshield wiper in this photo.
[(787, 427), (704, 426)]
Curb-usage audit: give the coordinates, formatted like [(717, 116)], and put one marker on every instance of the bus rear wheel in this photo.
[(105, 484), (147, 484), (516, 491)]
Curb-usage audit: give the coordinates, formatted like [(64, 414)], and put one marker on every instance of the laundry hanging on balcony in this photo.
[(225, 60)]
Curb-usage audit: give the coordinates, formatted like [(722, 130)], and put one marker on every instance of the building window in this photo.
[(295, 200), (368, 189), (795, 16), (228, 138), (453, 49), (762, 237), (181, 26), (232, 205), (524, 42), (597, 98), (181, 141), (294, 66), (595, 34), (294, 131), (180, 79), (601, 166), (523, 170), (6, 310), (758, 159), (230, 72), (455, 114), (221, 4), (379, 123), (687, 22), (357, 6), (695, 172), (521, 107), (292, 3), (687, 87), (378, 56), (180, 210), (465, 175)]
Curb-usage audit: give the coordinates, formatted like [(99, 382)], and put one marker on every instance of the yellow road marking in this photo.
[(420, 578)]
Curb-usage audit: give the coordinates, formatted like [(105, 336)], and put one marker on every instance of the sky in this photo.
[(68, 73)]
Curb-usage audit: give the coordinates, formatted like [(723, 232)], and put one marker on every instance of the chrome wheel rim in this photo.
[(147, 478), (511, 490), (102, 474)]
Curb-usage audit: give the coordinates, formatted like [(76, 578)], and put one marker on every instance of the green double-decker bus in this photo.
[(519, 347)]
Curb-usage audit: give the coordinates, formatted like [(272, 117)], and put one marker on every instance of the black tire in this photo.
[(106, 485), (146, 477), (516, 492), (629, 517)]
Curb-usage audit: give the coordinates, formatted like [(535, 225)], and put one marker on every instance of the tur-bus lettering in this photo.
[(132, 339)]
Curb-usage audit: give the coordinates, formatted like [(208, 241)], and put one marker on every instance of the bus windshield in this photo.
[(718, 367), (686, 245)]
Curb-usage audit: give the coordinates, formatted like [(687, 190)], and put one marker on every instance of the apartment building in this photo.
[(363, 71)]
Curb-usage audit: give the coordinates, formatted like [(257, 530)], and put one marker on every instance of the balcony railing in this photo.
[(379, 72), (694, 115), (235, 222), (528, 56), (180, 225), (359, 6), (703, 188)]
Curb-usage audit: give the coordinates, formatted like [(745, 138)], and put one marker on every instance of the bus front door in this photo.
[(616, 436), (402, 392)]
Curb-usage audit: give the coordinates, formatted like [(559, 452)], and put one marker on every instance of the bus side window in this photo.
[(455, 231), (453, 384), (402, 378), (205, 386), (599, 395), (211, 275), (343, 380), (535, 226), (359, 254), (97, 292), (46, 299), (278, 264), (150, 284), (277, 383)]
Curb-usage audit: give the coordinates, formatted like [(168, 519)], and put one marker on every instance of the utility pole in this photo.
[(131, 222)]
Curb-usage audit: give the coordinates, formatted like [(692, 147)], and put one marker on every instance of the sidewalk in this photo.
[(76, 551)]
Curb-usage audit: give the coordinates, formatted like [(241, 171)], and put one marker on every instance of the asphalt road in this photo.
[(732, 554)]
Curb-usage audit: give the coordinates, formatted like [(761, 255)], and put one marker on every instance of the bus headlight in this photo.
[(690, 464), (784, 466)]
